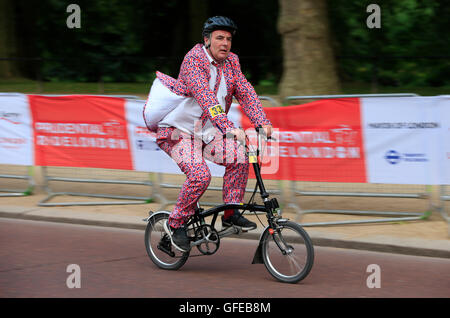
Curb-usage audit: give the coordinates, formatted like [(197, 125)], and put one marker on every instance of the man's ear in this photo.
[(207, 41)]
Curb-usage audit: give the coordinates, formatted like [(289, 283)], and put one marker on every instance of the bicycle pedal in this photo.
[(228, 230), (237, 229)]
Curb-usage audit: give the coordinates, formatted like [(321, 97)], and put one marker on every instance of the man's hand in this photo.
[(239, 134), (268, 130)]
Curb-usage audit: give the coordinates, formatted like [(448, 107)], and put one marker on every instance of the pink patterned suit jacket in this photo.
[(193, 81)]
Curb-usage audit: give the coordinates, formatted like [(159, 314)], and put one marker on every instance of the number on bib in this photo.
[(216, 111)]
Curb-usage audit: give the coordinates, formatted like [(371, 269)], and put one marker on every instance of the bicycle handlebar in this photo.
[(258, 129)]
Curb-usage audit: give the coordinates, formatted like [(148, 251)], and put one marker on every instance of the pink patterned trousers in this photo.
[(190, 153)]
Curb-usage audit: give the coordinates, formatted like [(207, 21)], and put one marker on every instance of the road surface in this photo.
[(41, 259)]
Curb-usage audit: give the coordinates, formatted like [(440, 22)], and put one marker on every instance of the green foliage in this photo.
[(410, 48), (109, 46), (127, 41)]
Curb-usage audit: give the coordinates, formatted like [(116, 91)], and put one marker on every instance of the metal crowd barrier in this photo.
[(213, 187), (107, 177), (316, 189), (444, 206), (270, 99), (17, 173), (289, 98), (117, 96)]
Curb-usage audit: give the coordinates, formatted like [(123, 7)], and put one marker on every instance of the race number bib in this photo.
[(216, 110), (252, 158)]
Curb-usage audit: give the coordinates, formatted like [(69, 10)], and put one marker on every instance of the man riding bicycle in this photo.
[(194, 107)]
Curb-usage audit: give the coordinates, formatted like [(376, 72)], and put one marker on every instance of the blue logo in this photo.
[(393, 157)]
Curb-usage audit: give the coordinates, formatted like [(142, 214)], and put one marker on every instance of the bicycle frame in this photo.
[(269, 207), (201, 214)]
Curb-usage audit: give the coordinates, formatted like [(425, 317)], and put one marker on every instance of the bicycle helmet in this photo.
[(219, 23)]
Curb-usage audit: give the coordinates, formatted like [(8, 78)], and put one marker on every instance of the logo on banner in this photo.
[(109, 135), (13, 118), (10, 141), (393, 157), (345, 135), (340, 143)]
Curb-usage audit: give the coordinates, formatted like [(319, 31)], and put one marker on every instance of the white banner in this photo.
[(16, 134), (401, 138)]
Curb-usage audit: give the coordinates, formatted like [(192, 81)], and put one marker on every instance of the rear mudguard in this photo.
[(150, 214)]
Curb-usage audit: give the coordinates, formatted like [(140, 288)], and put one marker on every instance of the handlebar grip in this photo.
[(261, 131)]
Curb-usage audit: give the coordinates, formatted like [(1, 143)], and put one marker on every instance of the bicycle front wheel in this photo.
[(158, 245), (288, 252)]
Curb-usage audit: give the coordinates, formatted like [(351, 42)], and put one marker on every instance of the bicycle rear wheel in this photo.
[(158, 245), (288, 253)]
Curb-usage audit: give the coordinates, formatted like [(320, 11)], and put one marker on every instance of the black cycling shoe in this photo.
[(178, 237), (238, 220)]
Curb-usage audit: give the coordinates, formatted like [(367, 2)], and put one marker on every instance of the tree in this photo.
[(8, 43), (409, 50), (198, 13), (309, 66)]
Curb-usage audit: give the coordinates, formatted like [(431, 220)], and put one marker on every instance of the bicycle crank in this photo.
[(207, 240)]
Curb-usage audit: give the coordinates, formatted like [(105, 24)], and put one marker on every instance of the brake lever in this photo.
[(262, 132)]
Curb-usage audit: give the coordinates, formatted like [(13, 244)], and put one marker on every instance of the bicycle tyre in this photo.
[(154, 234), (300, 261)]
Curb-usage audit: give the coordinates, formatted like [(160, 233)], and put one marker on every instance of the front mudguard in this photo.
[(258, 258)]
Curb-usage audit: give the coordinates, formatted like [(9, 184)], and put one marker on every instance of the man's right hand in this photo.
[(238, 134)]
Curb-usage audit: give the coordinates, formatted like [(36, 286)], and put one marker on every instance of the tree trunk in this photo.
[(8, 43), (309, 67)]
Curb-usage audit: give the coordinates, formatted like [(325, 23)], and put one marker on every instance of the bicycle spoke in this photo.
[(158, 244), (286, 253), (295, 266)]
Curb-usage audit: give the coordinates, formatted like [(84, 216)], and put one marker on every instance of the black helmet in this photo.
[(219, 23)]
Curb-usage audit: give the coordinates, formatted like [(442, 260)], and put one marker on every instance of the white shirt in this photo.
[(187, 113)]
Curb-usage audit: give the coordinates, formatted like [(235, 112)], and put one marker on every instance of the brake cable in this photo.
[(259, 162)]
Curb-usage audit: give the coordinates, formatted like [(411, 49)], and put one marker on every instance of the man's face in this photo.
[(220, 44)]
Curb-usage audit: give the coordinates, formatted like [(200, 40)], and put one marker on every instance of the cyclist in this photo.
[(210, 75)]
